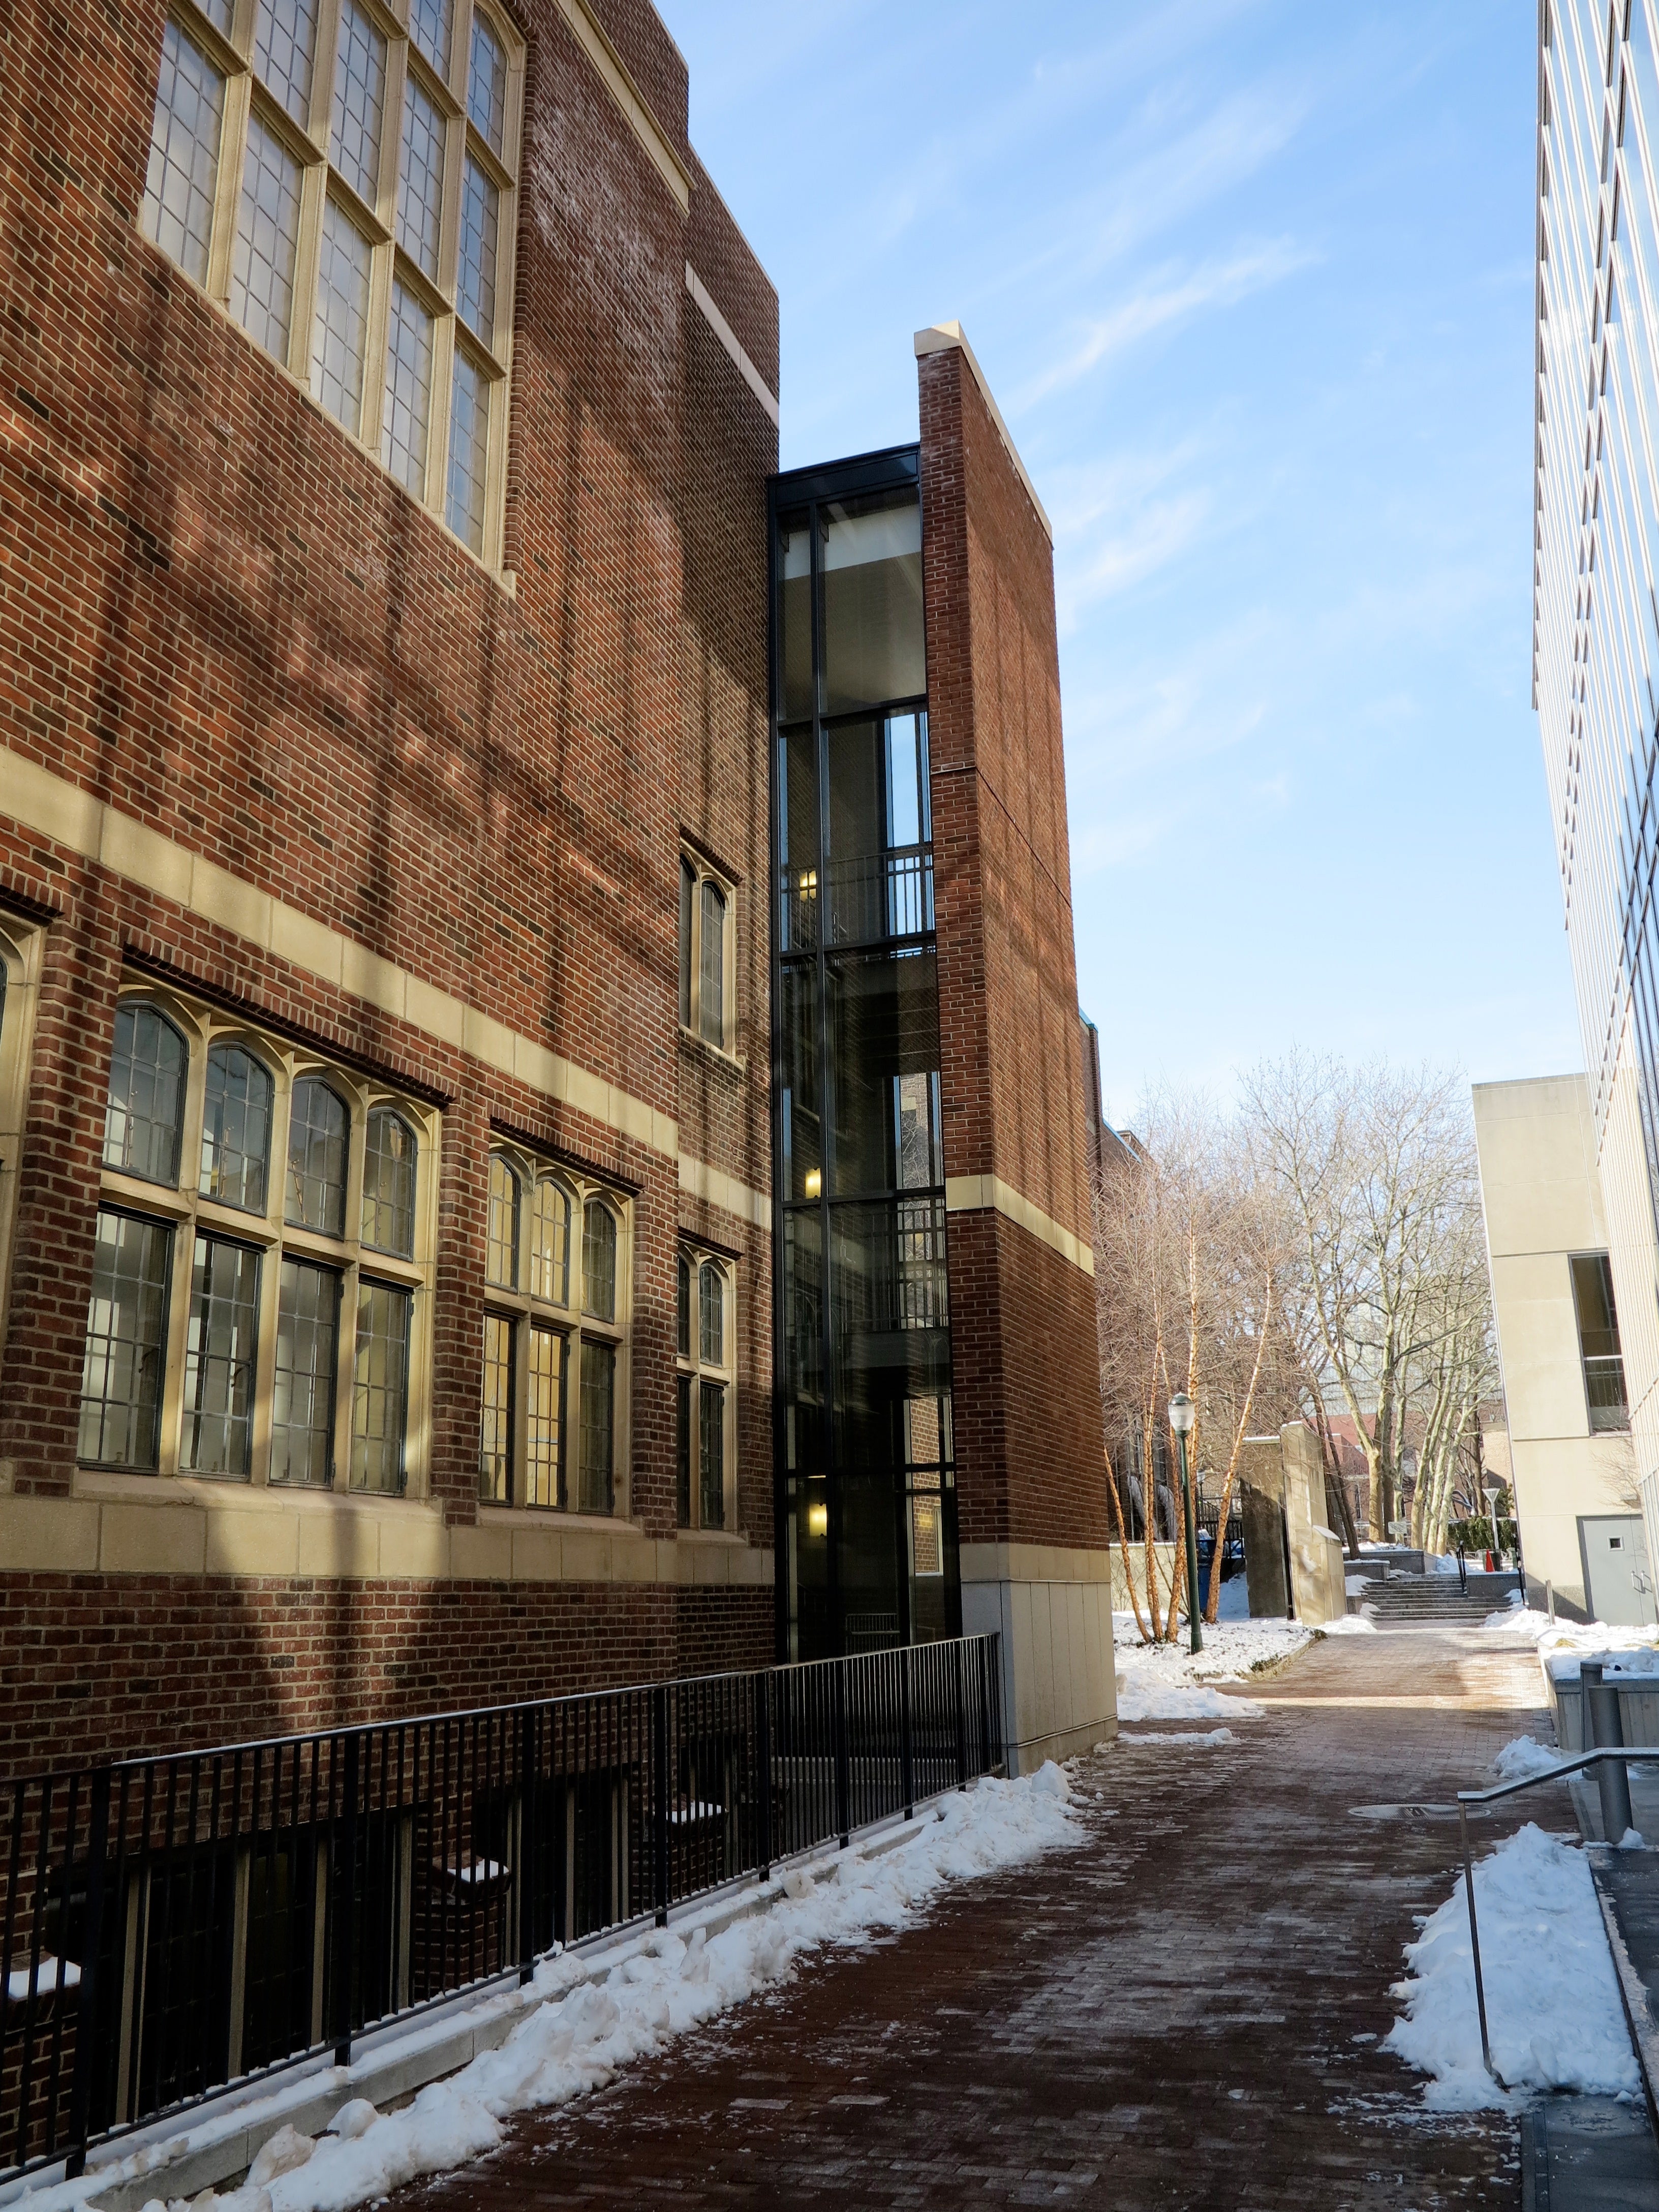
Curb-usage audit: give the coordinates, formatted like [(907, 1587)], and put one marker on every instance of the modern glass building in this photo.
[(867, 1547), (1596, 639)]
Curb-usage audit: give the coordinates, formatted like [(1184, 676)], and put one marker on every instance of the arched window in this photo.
[(688, 895), (705, 943), (702, 1394), (599, 1261), (318, 1128), (144, 1117), (501, 1236), (549, 1244), (218, 1347), (711, 987), (235, 1128), (390, 1153), (711, 1315)]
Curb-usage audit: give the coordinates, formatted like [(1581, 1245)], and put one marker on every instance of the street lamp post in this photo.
[(1183, 1414)]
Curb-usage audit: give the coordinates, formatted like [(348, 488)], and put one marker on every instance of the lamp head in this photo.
[(1182, 1413)]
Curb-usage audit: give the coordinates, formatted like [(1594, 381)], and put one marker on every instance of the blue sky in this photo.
[(1252, 280)]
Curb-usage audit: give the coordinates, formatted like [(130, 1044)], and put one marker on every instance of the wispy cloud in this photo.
[(1160, 531), (1162, 300)]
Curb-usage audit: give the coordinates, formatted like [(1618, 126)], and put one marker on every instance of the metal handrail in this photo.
[(1644, 1754)]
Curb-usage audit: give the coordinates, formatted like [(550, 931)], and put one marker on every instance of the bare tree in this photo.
[(1377, 1167), (1190, 1240)]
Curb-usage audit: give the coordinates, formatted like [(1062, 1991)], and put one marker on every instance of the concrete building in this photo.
[(387, 1120), (1596, 628), (1569, 1443)]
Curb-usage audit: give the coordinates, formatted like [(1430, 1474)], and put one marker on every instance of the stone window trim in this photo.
[(188, 1212), (708, 1015), (21, 952), (536, 1292), (470, 350), (704, 1360)]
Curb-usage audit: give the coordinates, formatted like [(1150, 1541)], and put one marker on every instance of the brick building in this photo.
[(938, 1433), (388, 401), (392, 1181)]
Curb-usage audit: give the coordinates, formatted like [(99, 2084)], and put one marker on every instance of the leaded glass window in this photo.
[(501, 1238), (360, 281), (391, 1152), (379, 1404), (182, 180), (597, 1425), (205, 1379), (236, 1128), (599, 1261), (219, 1358), (705, 952), (702, 1393), (317, 1131), (302, 1399), (538, 1337), (143, 1120), (126, 1325)]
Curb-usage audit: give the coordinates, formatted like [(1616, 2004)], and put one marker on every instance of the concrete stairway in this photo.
[(1438, 1597)]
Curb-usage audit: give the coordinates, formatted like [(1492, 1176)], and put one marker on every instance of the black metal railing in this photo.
[(169, 1925)]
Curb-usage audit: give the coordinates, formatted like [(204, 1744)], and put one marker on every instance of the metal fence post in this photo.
[(843, 1776), (659, 1768), (343, 1904), (87, 2022), (1604, 1726), (959, 1673), (763, 1765), (525, 1871), (907, 1747)]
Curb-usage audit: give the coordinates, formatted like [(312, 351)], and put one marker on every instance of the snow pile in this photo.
[(578, 2037), (1183, 1735), (1350, 1624), (1522, 1621), (1521, 1759), (1232, 1649), (1357, 1585), (1439, 1563), (1552, 2004), (1142, 1695), (1563, 1644)]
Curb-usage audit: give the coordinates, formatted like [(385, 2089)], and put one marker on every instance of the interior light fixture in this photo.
[(818, 1520), (814, 1182)]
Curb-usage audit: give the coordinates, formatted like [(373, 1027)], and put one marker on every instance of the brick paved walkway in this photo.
[(1182, 2011)]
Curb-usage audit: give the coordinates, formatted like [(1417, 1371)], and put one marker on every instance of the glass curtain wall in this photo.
[(868, 1538)]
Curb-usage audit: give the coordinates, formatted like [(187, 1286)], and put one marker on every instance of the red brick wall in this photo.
[(1023, 1322), (220, 616), (132, 1663)]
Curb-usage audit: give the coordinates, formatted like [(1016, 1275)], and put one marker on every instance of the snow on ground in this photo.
[(1145, 1695), (1168, 1682), (1350, 1624), (579, 2037), (1562, 1644), (1184, 1735), (1522, 1758), (1232, 1649), (1235, 1602), (1552, 2004)]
